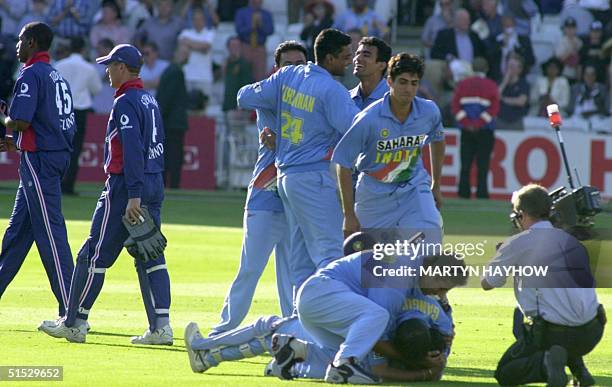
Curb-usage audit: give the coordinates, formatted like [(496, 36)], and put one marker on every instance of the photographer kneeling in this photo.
[(564, 320)]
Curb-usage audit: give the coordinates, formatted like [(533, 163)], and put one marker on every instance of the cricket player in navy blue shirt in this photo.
[(134, 163), (41, 119)]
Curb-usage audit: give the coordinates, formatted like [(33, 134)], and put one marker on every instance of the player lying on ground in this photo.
[(425, 333)]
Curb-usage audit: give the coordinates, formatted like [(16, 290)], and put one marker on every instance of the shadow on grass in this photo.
[(147, 347)]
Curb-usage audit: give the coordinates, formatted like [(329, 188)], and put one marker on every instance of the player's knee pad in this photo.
[(413, 339)]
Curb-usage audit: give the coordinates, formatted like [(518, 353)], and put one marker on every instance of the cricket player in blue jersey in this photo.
[(337, 308), (265, 226), (313, 112), (41, 118), (385, 141), (257, 338), (134, 163), (370, 65)]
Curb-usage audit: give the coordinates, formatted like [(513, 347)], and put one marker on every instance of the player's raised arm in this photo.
[(260, 95), (341, 113)]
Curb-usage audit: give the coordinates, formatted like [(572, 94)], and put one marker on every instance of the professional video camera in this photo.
[(573, 210)]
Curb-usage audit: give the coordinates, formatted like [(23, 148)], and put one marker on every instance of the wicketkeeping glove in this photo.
[(146, 240)]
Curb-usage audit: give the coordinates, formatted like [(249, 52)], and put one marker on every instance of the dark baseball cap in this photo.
[(569, 22), (124, 53), (596, 25)]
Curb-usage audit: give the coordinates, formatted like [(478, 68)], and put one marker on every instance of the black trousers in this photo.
[(173, 157), (523, 361), (77, 144), (475, 145)]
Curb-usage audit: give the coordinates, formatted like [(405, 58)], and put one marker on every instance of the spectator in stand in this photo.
[(589, 97), (436, 23), (110, 26), (237, 73), (591, 52), (84, 84), (162, 30), (227, 9), (137, 12), (489, 26), (153, 67), (8, 62), (173, 103), (37, 12), (568, 49), (514, 95), (71, 18), (475, 106), (318, 15), (458, 42), (253, 25), (212, 19), (362, 17), (11, 12), (550, 7), (103, 100), (551, 87), (523, 11), (507, 43), (600, 9), (198, 40)]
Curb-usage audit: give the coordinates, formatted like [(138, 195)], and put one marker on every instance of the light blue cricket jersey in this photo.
[(263, 193), (428, 309), (313, 112), (388, 152), (378, 93)]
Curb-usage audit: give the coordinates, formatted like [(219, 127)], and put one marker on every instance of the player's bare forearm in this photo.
[(387, 372), (436, 150), (15, 125), (345, 180), (386, 349)]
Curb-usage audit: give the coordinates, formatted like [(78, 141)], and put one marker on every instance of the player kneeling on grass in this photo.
[(134, 163), (422, 338)]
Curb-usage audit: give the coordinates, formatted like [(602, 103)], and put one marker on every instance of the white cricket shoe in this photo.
[(161, 336), (50, 323), (197, 362), (75, 334)]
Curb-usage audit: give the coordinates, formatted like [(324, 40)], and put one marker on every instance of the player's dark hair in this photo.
[(77, 44), (459, 277), (383, 49), (413, 340), (406, 63), (533, 200), (286, 46), (330, 42), (41, 33)]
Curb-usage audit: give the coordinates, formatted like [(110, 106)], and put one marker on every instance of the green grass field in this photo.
[(204, 232)]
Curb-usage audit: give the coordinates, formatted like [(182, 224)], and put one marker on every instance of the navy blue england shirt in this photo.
[(135, 136), (43, 98)]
